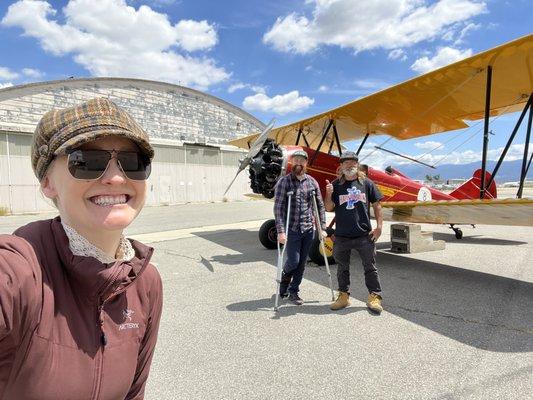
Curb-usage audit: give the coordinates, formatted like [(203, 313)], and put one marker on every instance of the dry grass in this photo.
[(4, 211)]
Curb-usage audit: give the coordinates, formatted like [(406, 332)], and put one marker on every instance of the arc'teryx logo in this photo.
[(127, 314), (354, 195)]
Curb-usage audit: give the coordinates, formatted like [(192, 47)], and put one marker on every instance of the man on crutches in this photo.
[(295, 226)]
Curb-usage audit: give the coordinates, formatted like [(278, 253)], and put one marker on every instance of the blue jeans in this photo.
[(298, 246)]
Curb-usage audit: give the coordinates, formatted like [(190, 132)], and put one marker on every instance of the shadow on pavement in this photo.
[(287, 309), (475, 239), (479, 309)]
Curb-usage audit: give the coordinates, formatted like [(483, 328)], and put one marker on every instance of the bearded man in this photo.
[(301, 222), (350, 196)]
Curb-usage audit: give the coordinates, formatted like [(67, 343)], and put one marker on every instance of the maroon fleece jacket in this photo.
[(72, 327)]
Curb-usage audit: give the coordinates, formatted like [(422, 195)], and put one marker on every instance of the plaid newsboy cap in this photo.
[(61, 130)]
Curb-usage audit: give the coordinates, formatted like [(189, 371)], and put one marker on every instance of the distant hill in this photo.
[(509, 170)]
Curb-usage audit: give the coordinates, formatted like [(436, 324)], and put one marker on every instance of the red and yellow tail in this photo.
[(470, 189)]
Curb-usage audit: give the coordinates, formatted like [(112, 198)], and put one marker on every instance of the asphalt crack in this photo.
[(466, 320)]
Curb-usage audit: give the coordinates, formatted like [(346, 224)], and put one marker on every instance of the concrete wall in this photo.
[(173, 116), (169, 183)]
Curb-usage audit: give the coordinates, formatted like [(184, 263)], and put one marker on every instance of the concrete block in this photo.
[(409, 238)]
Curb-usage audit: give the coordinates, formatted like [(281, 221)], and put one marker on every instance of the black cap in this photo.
[(348, 155), (300, 153)]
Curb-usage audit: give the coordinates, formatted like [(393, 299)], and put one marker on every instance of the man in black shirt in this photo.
[(350, 196)]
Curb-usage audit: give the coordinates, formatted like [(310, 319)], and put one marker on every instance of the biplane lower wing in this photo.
[(517, 212)]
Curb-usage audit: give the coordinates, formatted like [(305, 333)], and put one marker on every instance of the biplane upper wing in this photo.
[(436, 102), (516, 212)]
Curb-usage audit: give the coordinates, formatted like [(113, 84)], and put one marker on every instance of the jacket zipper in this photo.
[(101, 350), (103, 337)]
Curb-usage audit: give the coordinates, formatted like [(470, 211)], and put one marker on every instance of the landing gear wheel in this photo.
[(268, 236), (315, 254), (458, 233)]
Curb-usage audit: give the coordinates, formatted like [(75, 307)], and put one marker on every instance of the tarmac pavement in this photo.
[(458, 323)]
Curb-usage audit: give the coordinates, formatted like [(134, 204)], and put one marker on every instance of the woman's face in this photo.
[(109, 203)]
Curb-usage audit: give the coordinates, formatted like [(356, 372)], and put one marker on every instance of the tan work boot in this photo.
[(374, 303), (342, 301)]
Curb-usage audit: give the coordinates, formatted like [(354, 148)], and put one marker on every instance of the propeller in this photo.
[(254, 149)]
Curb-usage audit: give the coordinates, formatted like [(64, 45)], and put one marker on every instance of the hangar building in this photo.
[(187, 128)]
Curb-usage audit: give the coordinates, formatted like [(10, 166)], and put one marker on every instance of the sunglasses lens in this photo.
[(88, 164), (135, 165)]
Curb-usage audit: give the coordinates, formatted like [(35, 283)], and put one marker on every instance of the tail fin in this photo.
[(470, 189)]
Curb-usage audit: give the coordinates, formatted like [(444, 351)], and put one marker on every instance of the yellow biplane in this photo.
[(491, 83)]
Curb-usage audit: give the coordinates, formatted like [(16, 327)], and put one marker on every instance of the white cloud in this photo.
[(323, 88), (235, 87), (32, 73), (366, 25), (380, 159), (110, 38), (6, 73), (279, 104), (5, 85), (371, 84), (193, 35), (239, 85), (464, 31), (429, 145), (444, 56), (515, 152), (397, 54)]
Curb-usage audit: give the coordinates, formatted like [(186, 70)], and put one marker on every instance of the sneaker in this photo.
[(295, 299), (374, 303), (284, 295)]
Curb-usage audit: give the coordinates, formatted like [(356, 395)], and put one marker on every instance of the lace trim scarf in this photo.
[(82, 247)]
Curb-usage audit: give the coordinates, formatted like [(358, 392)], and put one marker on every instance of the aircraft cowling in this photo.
[(265, 169)]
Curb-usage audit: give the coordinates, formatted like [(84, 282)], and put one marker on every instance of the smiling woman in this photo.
[(72, 322)]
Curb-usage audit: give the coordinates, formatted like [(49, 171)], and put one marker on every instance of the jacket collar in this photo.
[(93, 279)]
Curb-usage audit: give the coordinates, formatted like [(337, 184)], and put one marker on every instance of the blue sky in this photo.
[(287, 59)]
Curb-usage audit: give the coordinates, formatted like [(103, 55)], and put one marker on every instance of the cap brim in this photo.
[(101, 132)]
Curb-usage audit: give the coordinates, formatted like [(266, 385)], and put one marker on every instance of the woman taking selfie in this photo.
[(80, 304)]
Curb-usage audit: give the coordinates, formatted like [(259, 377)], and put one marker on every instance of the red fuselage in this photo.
[(392, 184)]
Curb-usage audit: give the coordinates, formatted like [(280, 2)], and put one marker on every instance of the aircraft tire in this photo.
[(268, 236), (316, 256), (458, 233)]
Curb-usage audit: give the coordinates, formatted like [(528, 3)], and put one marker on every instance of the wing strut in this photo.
[(298, 137), (305, 140), (486, 133), (337, 139), (362, 144), (526, 152), (321, 141), (511, 138)]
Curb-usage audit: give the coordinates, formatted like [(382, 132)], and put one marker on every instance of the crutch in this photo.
[(281, 253), (321, 239)]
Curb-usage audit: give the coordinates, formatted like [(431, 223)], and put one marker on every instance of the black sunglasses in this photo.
[(92, 164)]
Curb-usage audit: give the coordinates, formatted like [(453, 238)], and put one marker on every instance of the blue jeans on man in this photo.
[(298, 246)]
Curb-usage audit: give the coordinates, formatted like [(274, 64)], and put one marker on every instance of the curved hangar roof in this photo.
[(165, 110)]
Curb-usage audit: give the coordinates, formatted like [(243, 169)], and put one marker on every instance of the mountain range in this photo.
[(509, 171)]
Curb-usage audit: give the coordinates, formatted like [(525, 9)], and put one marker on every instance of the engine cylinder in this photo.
[(266, 168)]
